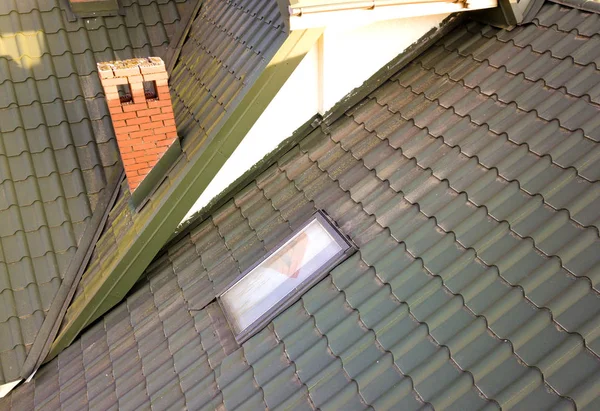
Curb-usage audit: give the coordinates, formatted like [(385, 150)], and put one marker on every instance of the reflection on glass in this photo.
[(276, 277)]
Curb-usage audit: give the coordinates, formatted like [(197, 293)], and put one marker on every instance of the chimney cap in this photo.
[(120, 68)]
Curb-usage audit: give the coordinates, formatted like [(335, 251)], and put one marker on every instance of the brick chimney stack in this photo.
[(139, 102)]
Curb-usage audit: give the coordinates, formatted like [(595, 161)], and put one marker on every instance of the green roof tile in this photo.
[(53, 121), (474, 284)]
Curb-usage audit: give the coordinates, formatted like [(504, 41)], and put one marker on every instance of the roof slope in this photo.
[(57, 147), (229, 45), (471, 286)]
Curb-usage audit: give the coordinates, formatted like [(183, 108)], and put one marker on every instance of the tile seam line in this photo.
[(43, 404), (246, 217), (188, 306), (270, 202), (25, 288), (287, 356), (15, 346), (544, 308), (202, 262), (57, 172), (495, 97), (443, 284), (589, 227), (222, 28), (388, 285), (410, 313), (46, 202), (60, 8), (529, 45), (164, 332), (536, 21), (112, 368), (337, 357), (314, 321), (540, 308), (46, 125), (412, 316), (252, 230), (137, 348), (34, 231), (229, 250), (483, 206), (516, 73), (208, 50), (139, 47), (212, 375), (78, 97), (254, 380)]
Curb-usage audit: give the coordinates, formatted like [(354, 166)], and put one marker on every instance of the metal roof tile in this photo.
[(503, 293)]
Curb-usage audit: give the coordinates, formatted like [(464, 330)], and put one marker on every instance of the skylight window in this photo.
[(282, 276)]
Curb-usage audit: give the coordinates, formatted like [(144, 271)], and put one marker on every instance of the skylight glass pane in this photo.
[(282, 275)]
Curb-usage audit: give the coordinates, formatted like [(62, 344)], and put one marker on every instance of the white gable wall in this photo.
[(341, 61)]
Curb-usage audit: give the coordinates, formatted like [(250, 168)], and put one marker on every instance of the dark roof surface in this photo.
[(228, 46), (57, 147), (475, 283)]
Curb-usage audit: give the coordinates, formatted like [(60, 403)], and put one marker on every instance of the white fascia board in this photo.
[(362, 16)]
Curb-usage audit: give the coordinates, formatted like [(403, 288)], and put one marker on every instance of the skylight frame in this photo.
[(347, 248)]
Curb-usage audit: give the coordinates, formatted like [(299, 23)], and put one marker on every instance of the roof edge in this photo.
[(348, 101), (585, 5), (43, 340)]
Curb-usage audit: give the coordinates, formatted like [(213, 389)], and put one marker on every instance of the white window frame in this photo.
[(346, 249)]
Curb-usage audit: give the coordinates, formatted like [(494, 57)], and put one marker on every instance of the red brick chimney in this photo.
[(139, 102)]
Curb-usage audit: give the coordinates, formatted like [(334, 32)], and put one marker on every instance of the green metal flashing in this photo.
[(155, 177), (153, 226)]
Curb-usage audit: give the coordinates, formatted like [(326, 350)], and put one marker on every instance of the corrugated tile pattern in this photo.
[(229, 44), (469, 289), (57, 147)]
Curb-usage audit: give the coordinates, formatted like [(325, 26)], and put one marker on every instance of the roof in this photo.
[(476, 279), (227, 50), (58, 152)]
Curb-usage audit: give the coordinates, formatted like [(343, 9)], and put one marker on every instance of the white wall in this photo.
[(342, 60), (351, 55)]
